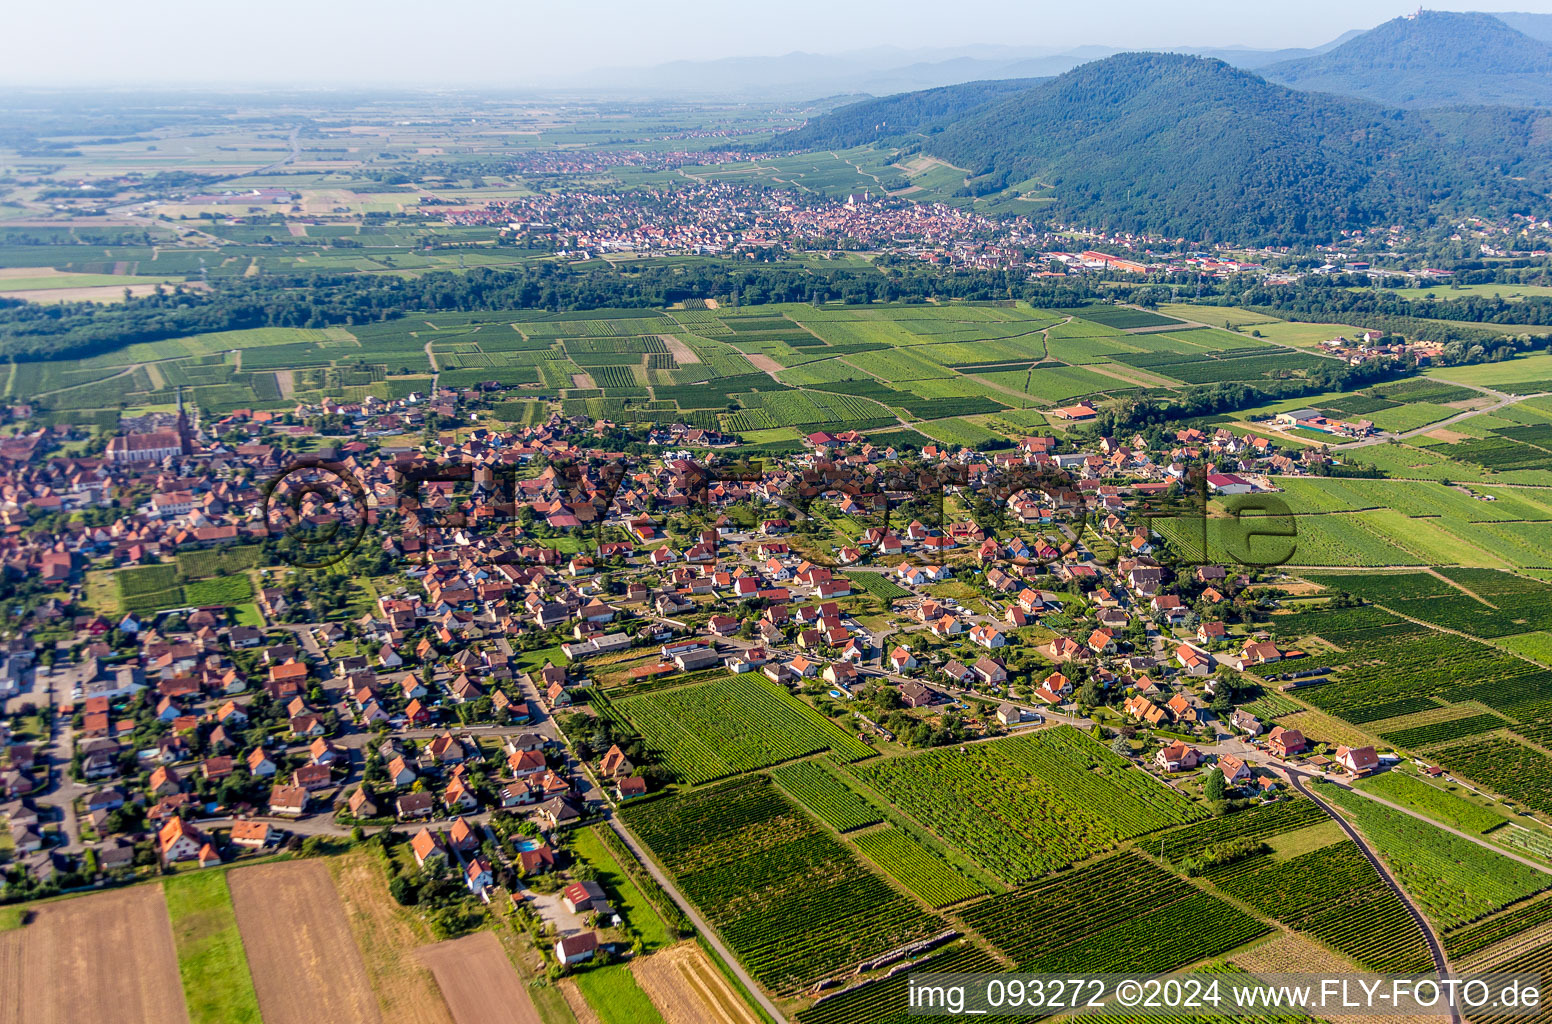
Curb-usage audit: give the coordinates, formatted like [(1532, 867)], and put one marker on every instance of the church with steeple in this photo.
[(156, 445)]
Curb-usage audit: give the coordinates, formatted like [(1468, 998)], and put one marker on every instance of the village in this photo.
[(460, 709)]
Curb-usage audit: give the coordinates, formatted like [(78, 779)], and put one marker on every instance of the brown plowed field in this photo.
[(105, 957), (305, 965), (478, 981)]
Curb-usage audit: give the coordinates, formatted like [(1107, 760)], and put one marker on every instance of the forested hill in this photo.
[(1192, 148), (857, 124), (1434, 59)]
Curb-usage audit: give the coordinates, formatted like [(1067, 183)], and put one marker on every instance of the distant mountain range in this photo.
[(885, 70), (1433, 59), (1438, 59), (1190, 147)]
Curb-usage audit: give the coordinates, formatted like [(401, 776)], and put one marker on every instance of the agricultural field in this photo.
[(833, 366), (1263, 822), (1389, 667), (208, 562), (1334, 895), (1454, 879), (711, 730), (687, 989), (1466, 941), (1507, 376), (45, 964), (290, 915), (878, 584), (1026, 805), (390, 938), (1428, 798), (886, 1001), (823, 794), (1480, 602), (1119, 914), (1359, 522), (1537, 960), (477, 981), (915, 867), (1270, 706), (614, 996), (156, 588), (1519, 772), (791, 901), (1122, 318), (204, 929)]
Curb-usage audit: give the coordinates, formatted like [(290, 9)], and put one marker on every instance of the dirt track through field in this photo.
[(687, 989), (107, 957), (305, 964), (478, 981)]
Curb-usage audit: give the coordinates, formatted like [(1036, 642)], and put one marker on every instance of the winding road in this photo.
[(1435, 948)]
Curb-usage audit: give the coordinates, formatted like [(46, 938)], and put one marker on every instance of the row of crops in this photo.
[(877, 584), (916, 867), (711, 730), (1392, 667), (1473, 938), (1431, 801), (1119, 914), (156, 588), (1442, 732), (1456, 880), (193, 565), (1513, 769), (1336, 896), (1029, 804), (1510, 604), (887, 1001), (1537, 961), (826, 796), (794, 903)]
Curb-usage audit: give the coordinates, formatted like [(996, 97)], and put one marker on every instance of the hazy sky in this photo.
[(458, 42)]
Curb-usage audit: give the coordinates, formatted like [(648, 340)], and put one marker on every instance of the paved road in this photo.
[(60, 792), (1441, 965), (296, 151), (716, 943)]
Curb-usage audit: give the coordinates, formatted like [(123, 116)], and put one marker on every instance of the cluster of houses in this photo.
[(207, 722)]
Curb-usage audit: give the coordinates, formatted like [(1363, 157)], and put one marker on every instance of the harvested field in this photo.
[(55, 970), (687, 988), (683, 354), (89, 293), (305, 965), (478, 981), (389, 940), (764, 363)]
